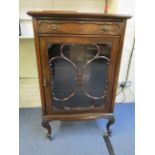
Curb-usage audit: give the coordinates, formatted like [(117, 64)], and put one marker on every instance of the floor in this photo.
[(77, 138)]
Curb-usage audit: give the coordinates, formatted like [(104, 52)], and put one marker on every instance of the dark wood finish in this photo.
[(76, 15), (111, 121), (80, 40), (45, 124), (79, 27), (52, 27)]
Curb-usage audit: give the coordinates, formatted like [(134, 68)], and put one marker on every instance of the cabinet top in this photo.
[(74, 14)]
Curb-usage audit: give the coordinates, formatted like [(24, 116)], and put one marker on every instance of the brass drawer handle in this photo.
[(53, 27), (106, 28)]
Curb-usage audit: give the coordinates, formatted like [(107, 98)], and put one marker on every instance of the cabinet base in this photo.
[(77, 117)]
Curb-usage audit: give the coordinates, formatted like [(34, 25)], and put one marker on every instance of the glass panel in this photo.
[(95, 77), (79, 75)]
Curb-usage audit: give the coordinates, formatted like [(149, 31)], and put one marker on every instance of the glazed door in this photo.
[(78, 73)]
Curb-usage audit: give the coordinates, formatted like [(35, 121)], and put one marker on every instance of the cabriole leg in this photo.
[(46, 125), (110, 122)]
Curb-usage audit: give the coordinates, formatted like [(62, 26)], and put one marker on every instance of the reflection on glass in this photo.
[(79, 75)]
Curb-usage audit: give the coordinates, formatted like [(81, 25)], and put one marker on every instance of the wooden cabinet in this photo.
[(78, 56)]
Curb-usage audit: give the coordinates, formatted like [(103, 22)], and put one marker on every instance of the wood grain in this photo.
[(77, 28)]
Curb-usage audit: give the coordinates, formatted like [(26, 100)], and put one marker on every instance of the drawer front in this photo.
[(79, 27)]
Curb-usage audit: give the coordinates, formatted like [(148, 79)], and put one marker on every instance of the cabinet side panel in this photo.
[(39, 67), (118, 66)]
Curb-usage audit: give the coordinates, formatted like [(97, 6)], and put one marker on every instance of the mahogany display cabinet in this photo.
[(78, 59)]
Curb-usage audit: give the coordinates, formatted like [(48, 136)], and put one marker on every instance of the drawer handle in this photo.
[(106, 28), (53, 27)]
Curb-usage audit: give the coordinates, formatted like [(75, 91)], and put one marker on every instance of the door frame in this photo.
[(79, 39)]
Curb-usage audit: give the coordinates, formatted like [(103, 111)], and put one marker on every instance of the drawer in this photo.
[(79, 27)]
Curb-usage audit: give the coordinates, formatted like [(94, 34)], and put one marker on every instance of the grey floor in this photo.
[(77, 138)]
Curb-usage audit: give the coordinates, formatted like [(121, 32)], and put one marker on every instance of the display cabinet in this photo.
[(78, 57)]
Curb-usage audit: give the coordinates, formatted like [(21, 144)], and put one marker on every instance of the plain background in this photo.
[(145, 77)]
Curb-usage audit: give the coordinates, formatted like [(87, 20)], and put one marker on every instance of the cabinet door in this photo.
[(78, 73)]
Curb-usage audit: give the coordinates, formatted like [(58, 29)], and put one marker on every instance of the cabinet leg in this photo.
[(110, 122), (46, 125)]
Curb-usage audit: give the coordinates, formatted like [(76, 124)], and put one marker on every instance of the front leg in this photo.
[(46, 125), (110, 122)]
